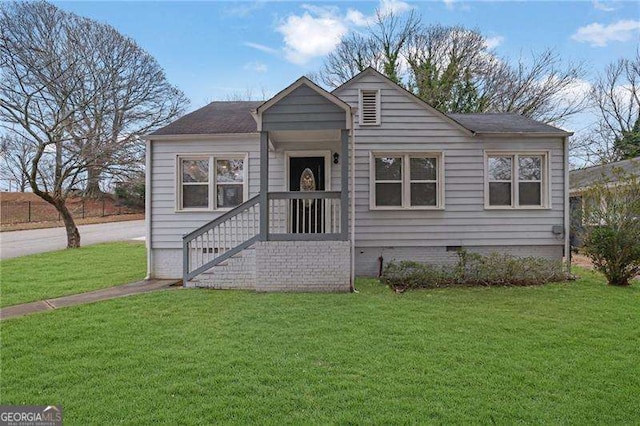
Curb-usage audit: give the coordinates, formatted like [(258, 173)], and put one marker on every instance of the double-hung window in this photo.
[(517, 180), (211, 182), (407, 181)]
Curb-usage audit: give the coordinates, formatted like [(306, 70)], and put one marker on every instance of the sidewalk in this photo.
[(83, 298)]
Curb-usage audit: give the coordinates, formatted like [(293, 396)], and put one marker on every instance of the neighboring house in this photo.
[(310, 188), (581, 180)]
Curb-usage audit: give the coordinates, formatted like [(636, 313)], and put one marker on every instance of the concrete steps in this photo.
[(237, 272)]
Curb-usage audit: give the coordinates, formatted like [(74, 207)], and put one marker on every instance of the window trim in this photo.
[(212, 183), (378, 109), (406, 179), (545, 184)]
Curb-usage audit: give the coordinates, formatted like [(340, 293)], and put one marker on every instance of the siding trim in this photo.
[(177, 190), (545, 186), (406, 179), (315, 153)]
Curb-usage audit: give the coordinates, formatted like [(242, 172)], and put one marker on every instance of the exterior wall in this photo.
[(168, 225), (303, 266), (301, 109), (406, 125), (167, 263), (367, 262)]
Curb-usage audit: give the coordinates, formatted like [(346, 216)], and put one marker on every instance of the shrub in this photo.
[(473, 269), (611, 231)]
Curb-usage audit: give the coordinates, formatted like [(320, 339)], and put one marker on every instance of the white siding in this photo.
[(407, 125), (167, 225)]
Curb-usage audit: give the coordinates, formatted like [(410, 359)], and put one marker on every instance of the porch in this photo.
[(292, 235)]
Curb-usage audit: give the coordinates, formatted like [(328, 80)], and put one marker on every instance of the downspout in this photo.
[(567, 223), (352, 202), (147, 208)]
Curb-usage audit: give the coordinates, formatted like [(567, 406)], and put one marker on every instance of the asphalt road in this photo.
[(20, 243)]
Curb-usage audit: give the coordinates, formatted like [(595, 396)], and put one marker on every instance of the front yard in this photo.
[(60, 273), (560, 353)]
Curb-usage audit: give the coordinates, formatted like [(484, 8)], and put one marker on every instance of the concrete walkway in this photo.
[(89, 297)]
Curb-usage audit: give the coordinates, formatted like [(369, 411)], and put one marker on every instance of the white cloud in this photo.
[(397, 7), (261, 47), (315, 33), (600, 35), (319, 29), (493, 42), (449, 3), (255, 66), (604, 6)]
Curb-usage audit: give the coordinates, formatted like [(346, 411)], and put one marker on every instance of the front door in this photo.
[(306, 174)]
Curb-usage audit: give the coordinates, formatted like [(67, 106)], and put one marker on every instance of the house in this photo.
[(310, 188), (580, 180)]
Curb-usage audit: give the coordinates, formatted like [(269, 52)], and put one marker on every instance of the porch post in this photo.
[(344, 185), (264, 185)]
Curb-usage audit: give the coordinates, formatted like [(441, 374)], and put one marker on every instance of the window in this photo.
[(207, 182), (407, 181), (195, 183), (369, 107), (516, 180), (229, 182)]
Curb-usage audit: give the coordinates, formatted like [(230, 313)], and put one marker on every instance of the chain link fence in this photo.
[(39, 211)]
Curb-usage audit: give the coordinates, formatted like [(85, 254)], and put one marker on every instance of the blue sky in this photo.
[(213, 49)]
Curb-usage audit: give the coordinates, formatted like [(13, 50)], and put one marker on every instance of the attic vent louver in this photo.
[(369, 107)]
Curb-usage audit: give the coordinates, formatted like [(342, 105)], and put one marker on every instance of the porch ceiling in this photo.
[(304, 136)]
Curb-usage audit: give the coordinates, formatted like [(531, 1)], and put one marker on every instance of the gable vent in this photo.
[(369, 107)]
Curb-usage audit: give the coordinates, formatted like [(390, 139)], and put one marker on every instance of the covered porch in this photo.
[(298, 225)]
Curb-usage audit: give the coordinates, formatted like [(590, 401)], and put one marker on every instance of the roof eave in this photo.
[(197, 136), (527, 134)]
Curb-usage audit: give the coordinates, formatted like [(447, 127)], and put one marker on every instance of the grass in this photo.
[(560, 353), (59, 273)]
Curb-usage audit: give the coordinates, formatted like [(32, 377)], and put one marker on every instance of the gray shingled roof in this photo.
[(504, 123), (583, 178), (217, 117), (235, 117)]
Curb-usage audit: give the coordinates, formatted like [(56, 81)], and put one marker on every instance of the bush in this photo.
[(611, 231), (475, 270), (614, 252)]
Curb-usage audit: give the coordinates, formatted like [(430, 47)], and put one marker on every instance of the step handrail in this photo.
[(187, 238), (215, 222)]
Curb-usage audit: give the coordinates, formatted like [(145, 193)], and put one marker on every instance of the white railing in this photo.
[(221, 238), (295, 213)]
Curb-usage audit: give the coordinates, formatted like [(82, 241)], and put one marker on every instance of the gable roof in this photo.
[(412, 96), (214, 118), (584, 178), (505, 123), (303, 81), (240, 116), (477, 123)]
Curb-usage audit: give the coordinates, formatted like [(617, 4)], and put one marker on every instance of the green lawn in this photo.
[(560, 353), (59, 273)]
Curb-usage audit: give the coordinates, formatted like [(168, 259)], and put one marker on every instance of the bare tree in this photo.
[(542, 88), (447, 65), (453, 69), (353, 55), (73, 91), (12, 149), (380, 47), (615, 100)]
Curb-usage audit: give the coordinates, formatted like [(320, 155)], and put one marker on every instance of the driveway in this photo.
[(20, 243)]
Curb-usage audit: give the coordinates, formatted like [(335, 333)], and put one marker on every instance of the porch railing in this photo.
[(306, 216), (313, 215), (221, 238)]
